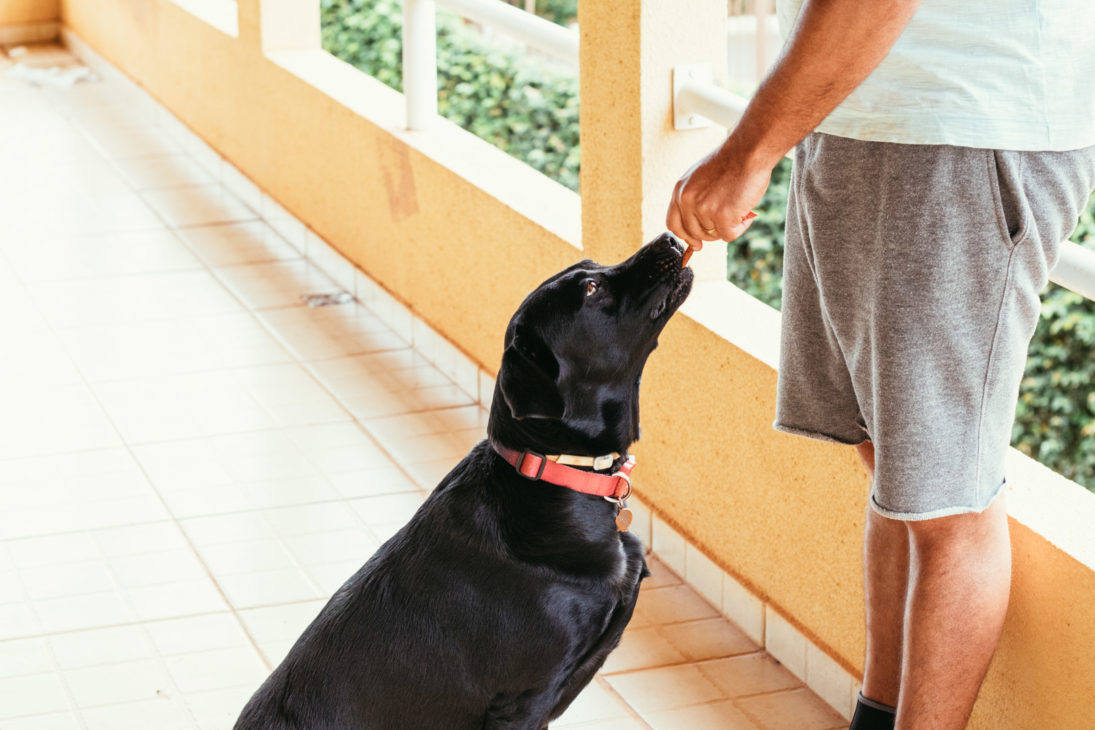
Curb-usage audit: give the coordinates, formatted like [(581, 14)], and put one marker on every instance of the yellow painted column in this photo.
[(631, 155)]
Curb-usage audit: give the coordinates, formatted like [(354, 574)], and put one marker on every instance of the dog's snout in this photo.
[(669, 242)]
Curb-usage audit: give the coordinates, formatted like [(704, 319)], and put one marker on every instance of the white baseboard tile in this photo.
[(206, 157), (703, 575), (242, 186), (328, 260), (464, 371), (640, 521), (668, 544), (743, 608), (105, 70), (486, 389), (394, 313), (446, 357), (285, 223), (784, 642), (829, 680)]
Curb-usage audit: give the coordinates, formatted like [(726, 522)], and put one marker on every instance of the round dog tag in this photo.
[(623, 520)]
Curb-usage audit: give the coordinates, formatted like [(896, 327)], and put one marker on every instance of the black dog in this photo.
[(501, 598)]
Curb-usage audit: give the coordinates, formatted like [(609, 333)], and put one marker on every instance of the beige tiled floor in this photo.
[(191, 461)]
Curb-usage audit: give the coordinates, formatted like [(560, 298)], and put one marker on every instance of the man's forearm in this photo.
[(833, 47)]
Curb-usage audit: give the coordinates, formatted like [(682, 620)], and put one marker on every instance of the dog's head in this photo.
[(575, 351)]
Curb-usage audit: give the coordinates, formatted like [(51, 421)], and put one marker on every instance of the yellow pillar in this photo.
[(279, 25), (631, 155)]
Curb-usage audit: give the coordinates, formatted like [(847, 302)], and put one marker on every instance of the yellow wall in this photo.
[(24, 12), (783, 515)]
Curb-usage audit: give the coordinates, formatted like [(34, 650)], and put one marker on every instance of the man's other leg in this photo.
[(885, 579), (936, 596), (959, 585)]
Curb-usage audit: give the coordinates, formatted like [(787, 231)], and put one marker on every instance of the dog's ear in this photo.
[(528, 375)]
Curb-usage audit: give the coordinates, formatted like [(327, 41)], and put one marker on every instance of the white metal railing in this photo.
[(420, 45), (697, 99), (536, 32), (420, 62)]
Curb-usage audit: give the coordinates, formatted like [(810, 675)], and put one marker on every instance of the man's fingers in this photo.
[(694, 228), (739, 229), (676, 226)]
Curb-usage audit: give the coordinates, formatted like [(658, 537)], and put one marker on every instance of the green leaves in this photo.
[(1055, 415), (525, 105), (755, 260)]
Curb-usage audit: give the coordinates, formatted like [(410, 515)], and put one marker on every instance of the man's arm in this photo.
[(833, 47)]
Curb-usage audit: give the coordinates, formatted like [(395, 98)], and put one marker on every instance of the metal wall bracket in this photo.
[(695, 72)]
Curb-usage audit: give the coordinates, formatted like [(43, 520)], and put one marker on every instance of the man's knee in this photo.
[(971, 527)]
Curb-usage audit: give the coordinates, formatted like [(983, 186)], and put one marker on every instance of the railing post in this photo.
[(760, 11), (420, 62), (631, 156)]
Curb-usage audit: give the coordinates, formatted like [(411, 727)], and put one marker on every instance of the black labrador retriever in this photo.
[(501, 598)]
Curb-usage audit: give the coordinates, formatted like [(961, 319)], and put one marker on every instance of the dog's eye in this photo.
[(591, 287)]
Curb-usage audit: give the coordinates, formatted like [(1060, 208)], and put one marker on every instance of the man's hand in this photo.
[(714, 199), (833, 46)]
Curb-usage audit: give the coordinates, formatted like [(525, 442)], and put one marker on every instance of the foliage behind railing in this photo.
[(525, 105)]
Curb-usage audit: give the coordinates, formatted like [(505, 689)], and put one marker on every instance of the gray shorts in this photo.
[(910, 294)]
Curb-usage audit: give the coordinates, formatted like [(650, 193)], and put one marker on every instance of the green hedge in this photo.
[(529, 108), (525, 105), (1055, 417)]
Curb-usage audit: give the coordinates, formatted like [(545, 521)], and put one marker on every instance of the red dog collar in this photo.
[(537, 467)]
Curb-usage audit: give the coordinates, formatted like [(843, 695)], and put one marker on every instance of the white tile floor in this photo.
[(191, 461)]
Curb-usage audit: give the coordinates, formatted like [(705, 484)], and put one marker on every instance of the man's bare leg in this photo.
[(942, 631), (885, 577), (960, 582)]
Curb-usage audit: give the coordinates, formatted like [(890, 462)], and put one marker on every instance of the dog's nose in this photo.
[(670, 241)]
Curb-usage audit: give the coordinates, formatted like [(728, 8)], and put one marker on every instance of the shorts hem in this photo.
[(818, 435), (936, 513)]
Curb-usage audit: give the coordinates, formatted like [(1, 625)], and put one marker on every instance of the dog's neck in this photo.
[(580, 434)]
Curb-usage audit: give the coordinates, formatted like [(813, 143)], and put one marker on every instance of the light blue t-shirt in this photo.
[(999, 74)]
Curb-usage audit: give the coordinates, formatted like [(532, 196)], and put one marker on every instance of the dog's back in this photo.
[(441, 627)]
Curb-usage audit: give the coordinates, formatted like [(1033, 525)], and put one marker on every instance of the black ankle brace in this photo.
[(871, 715)]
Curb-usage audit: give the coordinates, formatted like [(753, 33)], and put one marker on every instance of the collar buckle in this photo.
[(600, 463), (520, 463)]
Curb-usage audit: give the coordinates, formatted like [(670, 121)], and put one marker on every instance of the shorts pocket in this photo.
[(1005, 175)]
